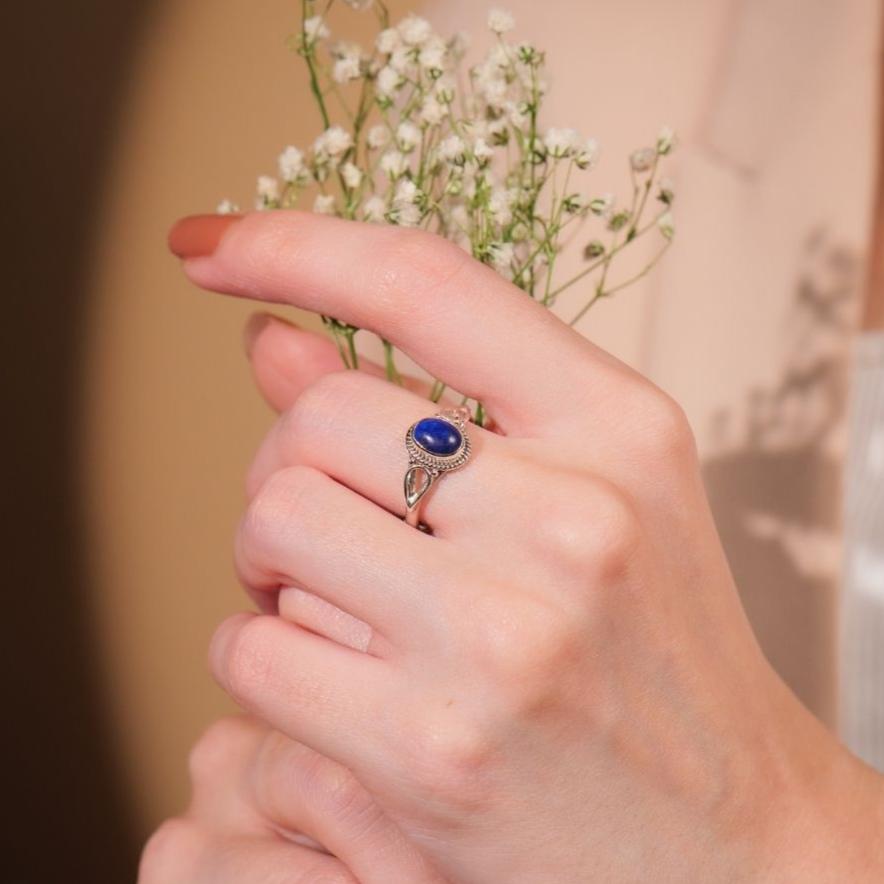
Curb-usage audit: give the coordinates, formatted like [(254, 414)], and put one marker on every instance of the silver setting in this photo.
[(424, 467)]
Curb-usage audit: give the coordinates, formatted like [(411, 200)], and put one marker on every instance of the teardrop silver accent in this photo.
[(418, 481)]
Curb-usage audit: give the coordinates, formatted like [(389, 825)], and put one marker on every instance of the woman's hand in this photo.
[(560, 684), (261, 807)]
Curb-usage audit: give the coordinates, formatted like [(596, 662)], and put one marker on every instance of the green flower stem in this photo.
[(390, 368), (602, 293), (350, 335)]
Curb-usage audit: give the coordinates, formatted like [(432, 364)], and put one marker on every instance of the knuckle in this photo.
[(336, 794), (527, 645), (282, 500), (211, 754), (595, 533), (169, 853), (448, 759), (666, 430), (411, 265), (320, 405), (249, 659)]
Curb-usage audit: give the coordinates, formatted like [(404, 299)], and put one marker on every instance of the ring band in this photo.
[(435, 445)]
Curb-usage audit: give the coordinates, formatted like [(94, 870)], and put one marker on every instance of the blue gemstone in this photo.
[(437, 436)]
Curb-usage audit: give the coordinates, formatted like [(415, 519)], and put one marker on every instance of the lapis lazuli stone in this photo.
[(437, 436)]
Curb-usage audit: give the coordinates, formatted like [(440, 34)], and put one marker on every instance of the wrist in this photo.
[(826, 824)]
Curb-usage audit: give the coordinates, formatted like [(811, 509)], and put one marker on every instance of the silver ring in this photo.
[(435, 445)]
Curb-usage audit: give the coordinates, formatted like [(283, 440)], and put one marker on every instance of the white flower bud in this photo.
[(666, 141), (377, 136), (432, 112), (388, 81), (588, 155), (388, 41), (501, 255), (227, 207), (291, 164), (414, 30), (481, 151), (324, 204), (408, 136), (315, 29), (561, 143), (352, 175), (666, 225), (268, 188), (374, 209), (334, 142), (642, 160), (394, 163), (500, 21), (452, 149)]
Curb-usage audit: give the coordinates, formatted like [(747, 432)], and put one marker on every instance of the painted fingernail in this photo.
[(197, 236), (256, 324)]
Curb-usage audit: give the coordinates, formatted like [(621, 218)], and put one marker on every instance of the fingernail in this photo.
[(197, 236), (256, 324)]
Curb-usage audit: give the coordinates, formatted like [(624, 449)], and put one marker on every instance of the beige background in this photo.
[(770, 98)]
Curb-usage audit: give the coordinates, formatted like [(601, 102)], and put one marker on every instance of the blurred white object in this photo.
[(862, 624)]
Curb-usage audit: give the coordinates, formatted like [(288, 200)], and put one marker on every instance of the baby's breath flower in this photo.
[(445, 89), (315, 29), (388, 81), (377, 136), (374, 209), (642, 160), (291, 165), (402, 60), (501, 255), (352, 175), (666, 225), (431, 112), (517, 114), (588, 155), (594, 249), (406, 210), (408, 136), (227, 207), (388, 41), (394, 163), (666, 193), (500, 21), (334, 142), (348, 62), (618, 220), (432, 56), (561, 143), (602, 205), (482, 153), (665, 141), (324, 204), (529, 55), (414, 30), (500, 204), (574, 204), (453, 150), (267, 191)]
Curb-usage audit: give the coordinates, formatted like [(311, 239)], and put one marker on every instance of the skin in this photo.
[(558, 684), (261, 806)]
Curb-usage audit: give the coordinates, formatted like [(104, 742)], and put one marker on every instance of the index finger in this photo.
[(453, 315)]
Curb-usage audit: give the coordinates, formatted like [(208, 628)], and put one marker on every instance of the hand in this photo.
[(560, 684), (262, 805)]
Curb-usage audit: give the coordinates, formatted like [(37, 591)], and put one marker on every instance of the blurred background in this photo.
[(132, 415)]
